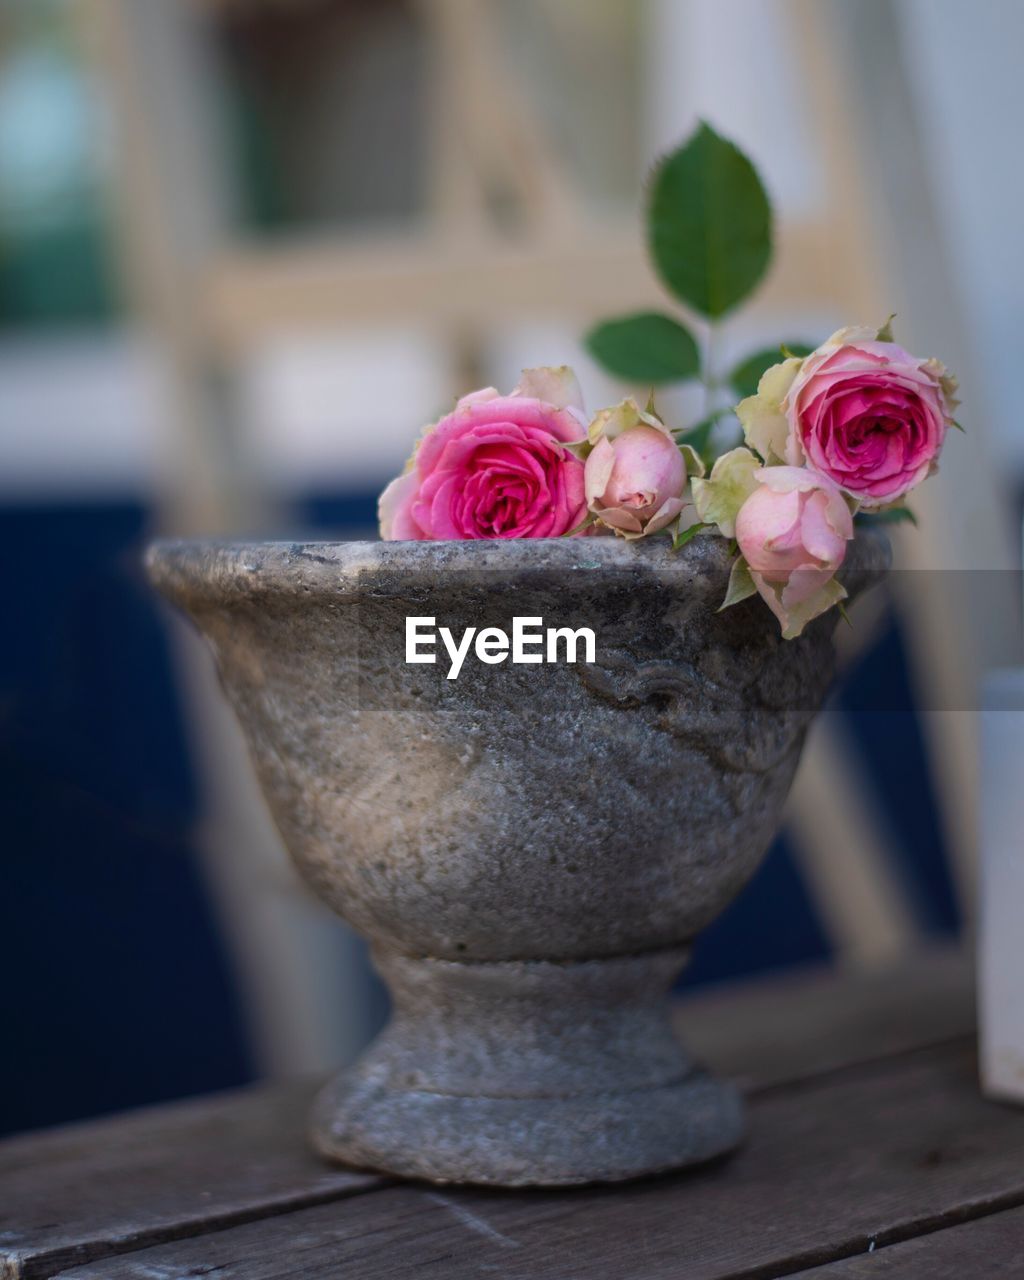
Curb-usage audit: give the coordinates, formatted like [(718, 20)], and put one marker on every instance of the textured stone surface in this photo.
[(528, 1073), (516, 822)]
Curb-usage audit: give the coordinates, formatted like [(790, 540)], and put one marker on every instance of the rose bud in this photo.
[(792, 532), (635, 475)]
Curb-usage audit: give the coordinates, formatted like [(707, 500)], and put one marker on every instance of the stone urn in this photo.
[(530, 847)]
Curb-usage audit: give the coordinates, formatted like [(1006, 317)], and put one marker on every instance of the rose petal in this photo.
[(556, 386), (598, 470), (394, 510), (625, 521)]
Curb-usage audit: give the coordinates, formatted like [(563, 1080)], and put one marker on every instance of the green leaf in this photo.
[(646, 347), (741, 584), (585, 523), (698, 437), (885, 332), (897, 515), (709, 223), (953, 423), (683, 538), (747, 374)]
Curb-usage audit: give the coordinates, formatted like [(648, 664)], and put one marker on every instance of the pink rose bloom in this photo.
[(868, 415), (793, 531), (495, 467), (635, 474)]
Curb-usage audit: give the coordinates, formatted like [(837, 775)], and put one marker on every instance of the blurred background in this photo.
[(246, 250)]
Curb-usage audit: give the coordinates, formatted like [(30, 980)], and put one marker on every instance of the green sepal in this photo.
[(741, 584), (718, 498), (695, 467), (681, 539), (885, 331), (581, 449), (585, 524)]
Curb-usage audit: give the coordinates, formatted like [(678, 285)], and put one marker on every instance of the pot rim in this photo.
[(194, 571)]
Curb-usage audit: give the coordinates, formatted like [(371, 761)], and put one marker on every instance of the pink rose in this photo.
[(792, 532), (868, 415), (635, 474), (495, 467)]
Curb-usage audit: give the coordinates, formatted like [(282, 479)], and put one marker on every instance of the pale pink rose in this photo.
[(792, 532), (495, 467), (869, 416), (635, 481)]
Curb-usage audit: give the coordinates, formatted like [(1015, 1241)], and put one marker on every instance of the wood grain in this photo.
[(89, 1190), (776, 1031), (982, 1250), (878, 1153)]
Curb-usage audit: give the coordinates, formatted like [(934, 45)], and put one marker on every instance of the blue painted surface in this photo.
[(883, 723), (118, 988), (346, 514), (773, 924)]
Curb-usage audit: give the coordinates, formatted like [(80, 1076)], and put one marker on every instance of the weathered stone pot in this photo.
[(530, 848)]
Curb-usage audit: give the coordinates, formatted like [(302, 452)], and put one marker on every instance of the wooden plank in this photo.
[(878, 1153), (987, 1248), (778, 1030), (89, 1190)]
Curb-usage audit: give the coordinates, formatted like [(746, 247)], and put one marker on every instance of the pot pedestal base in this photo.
[(527, 1074)]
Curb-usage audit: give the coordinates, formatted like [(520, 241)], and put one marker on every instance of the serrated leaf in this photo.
[(747, 374), (741, 584), (709, 223), (646, 347)]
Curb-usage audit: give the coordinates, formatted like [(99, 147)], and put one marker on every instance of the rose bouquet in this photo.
[(825, 435)]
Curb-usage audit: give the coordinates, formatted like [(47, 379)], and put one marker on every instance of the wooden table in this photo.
[(871, 1154)]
